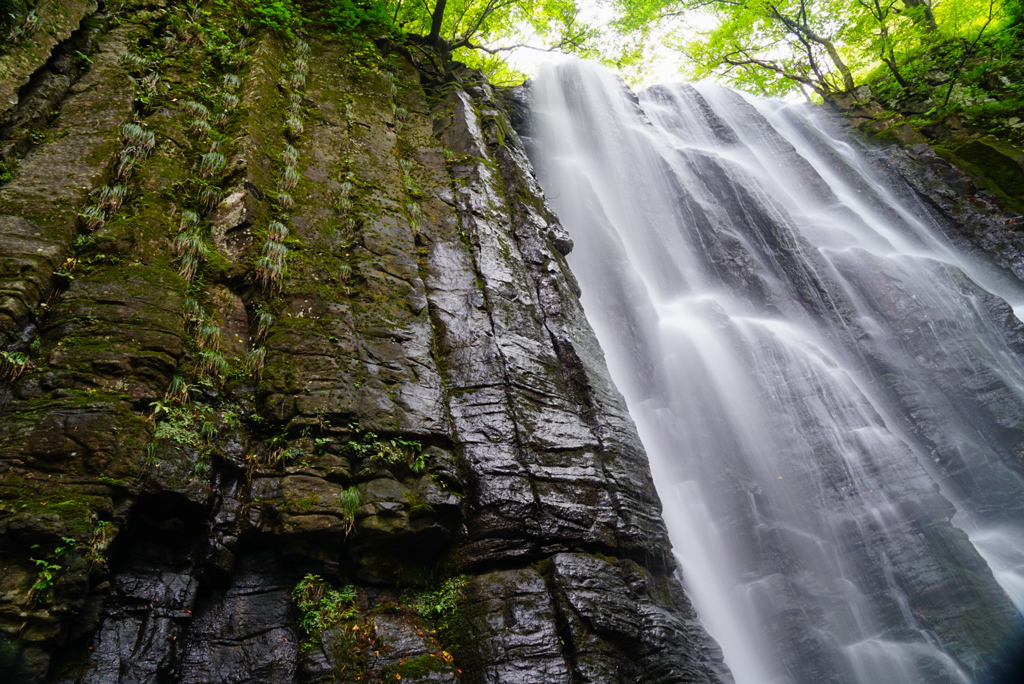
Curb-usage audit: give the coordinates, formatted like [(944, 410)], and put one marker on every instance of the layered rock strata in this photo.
[(296, 386)]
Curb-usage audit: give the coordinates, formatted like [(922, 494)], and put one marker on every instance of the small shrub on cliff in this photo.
[(349, 501), (440, 605), (322, 606), (211, 163), (13, 365), (255, 360)]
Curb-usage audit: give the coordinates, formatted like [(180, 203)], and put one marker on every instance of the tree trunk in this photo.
[(925, 16), (435, 22), (840, 64)]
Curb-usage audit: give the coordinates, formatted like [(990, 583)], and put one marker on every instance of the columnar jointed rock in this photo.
[(422, 413)]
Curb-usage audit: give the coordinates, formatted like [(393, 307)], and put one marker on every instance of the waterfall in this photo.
[(831, 394)]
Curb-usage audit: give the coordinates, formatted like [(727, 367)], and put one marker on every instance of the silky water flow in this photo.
[(828, 390)]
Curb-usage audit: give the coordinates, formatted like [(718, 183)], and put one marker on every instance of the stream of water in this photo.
[(828, 390)]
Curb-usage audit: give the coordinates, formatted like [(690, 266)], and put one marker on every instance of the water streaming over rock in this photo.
[(832, 396)]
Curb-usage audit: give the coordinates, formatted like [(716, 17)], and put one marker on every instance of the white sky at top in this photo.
[(665, 63)]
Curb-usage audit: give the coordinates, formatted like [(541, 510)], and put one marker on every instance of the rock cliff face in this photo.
[(295, 383)]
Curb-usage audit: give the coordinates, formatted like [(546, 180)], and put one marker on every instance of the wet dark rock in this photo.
[(425, 425)]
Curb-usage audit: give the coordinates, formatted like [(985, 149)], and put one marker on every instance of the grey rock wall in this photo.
[(346, 421)]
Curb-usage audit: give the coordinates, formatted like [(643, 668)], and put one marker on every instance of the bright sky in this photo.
[(665, 65)]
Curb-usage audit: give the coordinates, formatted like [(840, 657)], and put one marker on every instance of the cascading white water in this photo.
[(822, 382)]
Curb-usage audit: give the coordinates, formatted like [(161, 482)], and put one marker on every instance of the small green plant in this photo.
[(210, 196), (285, 201), (231, 82), (200, 127), (211, 164), (92, 217), (109, 199), (289, 178), (45, 579), (208, 336), (440, 605), (13, 365), (6, 173), (194, 312), (48, 570), (125, 167), (138, 139), (277, 231), (255, 360), (322, 606), (178, 390), (212, 363), (196, 109), (275, 250), (131, 59), (269, 273), (393, 452), (102, 534), (263, 321), (290, 156), (293, 126), (349, 501)]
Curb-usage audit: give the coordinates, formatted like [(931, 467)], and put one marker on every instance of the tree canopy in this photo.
[(479, 32), (772, 47)]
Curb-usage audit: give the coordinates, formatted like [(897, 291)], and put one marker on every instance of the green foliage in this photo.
[(440, 605), (349, 501), (395, 452), (346, 16), (48, 571), (824, 46), (281, 15), (178, 425), (13, 365), (18, 20), (321, 605)]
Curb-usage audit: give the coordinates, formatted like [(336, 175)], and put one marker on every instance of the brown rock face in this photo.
[(296, 386)]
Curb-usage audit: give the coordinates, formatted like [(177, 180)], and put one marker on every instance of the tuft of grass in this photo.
[(269, 273), (210, 196), (200, 127), (208, 336), (92, 218), (13, 365), (130, 59), (194, 312), (277, 231), (263, 321), (196, 109), (211, 164), (349, 501), (178, 390), (212, 363), (254, 361), (289, 178), (293, 126), (290, 156), (109, 199)]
